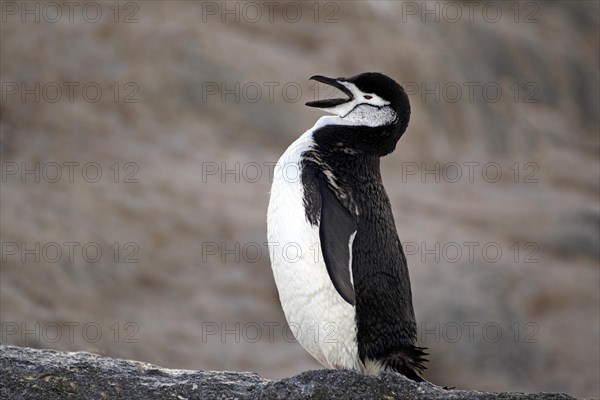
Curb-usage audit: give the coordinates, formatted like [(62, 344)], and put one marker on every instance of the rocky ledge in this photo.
[(47, 374)]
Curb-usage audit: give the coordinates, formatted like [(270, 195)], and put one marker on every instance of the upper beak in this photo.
[(336, 83)]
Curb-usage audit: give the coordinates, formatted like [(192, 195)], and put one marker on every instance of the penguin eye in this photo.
[(368, 97)]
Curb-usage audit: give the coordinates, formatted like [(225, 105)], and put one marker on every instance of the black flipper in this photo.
[(336, 228)]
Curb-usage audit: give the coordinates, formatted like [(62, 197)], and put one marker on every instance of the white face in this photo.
[(365, 109)]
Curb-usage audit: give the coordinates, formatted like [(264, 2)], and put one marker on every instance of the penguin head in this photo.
[(373, 100)]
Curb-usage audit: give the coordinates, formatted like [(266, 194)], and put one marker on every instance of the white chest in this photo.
[(321, 320)]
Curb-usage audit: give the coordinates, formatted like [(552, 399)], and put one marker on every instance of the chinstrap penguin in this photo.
[(338, 264)]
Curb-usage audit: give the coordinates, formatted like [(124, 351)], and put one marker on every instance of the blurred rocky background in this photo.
[(137, 141)]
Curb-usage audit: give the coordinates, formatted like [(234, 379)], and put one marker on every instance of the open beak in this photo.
[(328, 103)]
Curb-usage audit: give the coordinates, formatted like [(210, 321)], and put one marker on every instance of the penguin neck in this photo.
[(345, 141), (352, 153)]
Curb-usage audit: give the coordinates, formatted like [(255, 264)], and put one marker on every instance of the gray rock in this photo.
[(47, 374)]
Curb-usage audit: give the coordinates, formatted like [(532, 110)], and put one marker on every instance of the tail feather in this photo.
[(409, 361)]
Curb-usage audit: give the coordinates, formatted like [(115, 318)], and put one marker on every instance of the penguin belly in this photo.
[(320, 319)]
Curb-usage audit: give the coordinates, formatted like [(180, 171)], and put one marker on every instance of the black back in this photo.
[(386, 328)]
